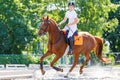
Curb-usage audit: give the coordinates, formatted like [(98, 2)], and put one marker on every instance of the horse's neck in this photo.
[(54, 36), (57, 38)]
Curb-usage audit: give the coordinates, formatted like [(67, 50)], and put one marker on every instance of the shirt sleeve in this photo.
[(66, 14)]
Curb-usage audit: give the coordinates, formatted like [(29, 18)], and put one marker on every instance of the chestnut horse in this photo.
[(57, 45)]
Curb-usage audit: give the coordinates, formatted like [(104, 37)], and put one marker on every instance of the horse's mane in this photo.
[(55, 23)]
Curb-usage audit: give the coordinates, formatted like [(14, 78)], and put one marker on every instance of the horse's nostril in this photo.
[(39, 33)]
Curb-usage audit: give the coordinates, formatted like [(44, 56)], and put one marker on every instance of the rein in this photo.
[(53, 31), (46, 26)]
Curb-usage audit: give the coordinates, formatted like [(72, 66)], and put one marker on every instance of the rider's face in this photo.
[(71, 8)]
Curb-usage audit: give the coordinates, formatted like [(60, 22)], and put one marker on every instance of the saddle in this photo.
[(78, 39)]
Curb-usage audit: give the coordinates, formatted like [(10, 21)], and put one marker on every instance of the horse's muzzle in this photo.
[(41, 33)]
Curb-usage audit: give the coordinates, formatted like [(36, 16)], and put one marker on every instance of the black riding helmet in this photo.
[(71, 4)]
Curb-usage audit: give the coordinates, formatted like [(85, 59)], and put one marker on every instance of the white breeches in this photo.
[(71, 29)]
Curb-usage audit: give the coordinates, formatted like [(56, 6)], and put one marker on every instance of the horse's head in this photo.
[(44, 27)]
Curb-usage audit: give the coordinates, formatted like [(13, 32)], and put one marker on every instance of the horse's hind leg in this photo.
[(87, 55), (57, 57), (76, 56), (48, 53)]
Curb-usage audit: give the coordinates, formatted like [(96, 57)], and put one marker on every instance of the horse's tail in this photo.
[(99, 48)]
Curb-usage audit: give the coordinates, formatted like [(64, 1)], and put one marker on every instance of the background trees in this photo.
[(17, 25), (112, 31), (20, 20)]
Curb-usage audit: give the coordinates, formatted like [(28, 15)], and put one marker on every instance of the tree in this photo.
[(16, 21), (112, 34), (115, 1)]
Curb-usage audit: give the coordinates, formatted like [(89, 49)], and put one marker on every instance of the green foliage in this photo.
[(18, 59), (17, 25), (112, 59), (22, 59), (93, 14), (113, 37), (111, 31), (115, 1)]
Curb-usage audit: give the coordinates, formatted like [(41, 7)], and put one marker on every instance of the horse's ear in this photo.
[(47, 17)]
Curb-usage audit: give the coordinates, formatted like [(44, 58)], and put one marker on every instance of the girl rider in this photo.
[(71, 15)]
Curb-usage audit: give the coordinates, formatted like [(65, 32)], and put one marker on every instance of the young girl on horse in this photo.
[(71, 27)]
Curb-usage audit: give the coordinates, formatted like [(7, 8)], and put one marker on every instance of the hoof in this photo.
[(66, 76), (61, 70), (43, 72), (81, 72)]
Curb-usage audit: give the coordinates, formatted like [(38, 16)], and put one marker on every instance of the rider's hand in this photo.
[(58, 24), (68, 25)]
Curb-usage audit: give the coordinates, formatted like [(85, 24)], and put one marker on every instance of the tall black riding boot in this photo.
[(71, 44)]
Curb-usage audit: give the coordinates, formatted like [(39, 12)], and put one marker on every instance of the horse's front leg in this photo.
[(48, 53), (57, 57)]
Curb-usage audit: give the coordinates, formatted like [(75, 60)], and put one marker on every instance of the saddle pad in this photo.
[(78, 40)]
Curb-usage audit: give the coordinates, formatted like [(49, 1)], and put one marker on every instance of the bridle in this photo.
[(46, 25)]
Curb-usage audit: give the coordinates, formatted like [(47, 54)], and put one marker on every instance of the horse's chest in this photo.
[(52, 47), (55, 48)]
